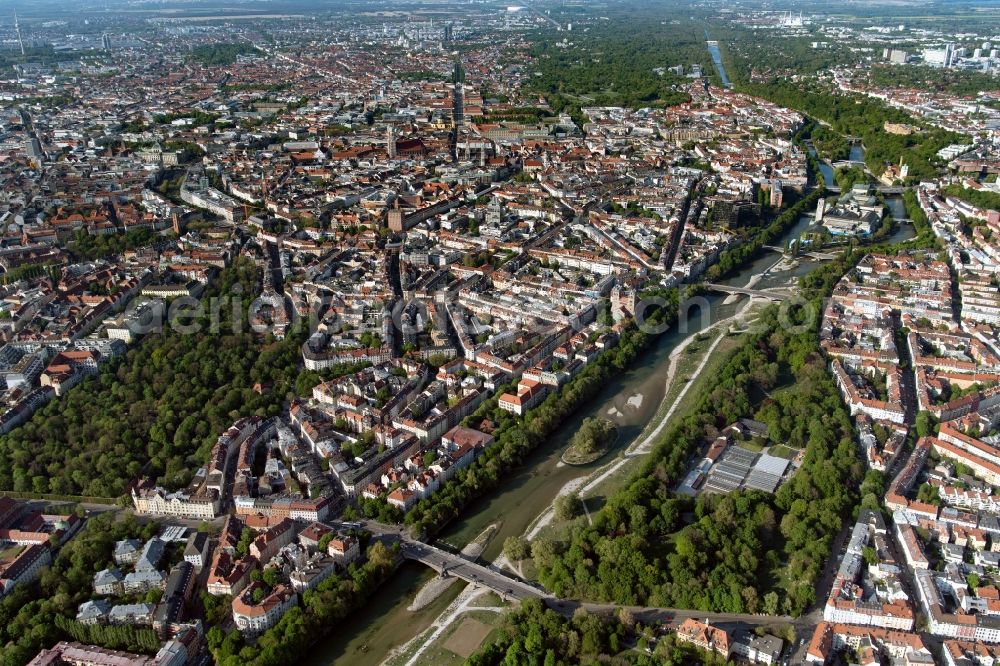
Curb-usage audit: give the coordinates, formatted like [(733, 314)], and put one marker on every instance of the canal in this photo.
[(713, 49), (857, 153), (824, 166)]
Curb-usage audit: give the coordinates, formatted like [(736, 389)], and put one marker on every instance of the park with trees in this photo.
[(156, 410), (864, 117), (105, 246), (221, 54), (534, 634), (743, 552), (605, 70)]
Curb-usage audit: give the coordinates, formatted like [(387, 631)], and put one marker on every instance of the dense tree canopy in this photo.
[(730, 551), (605, 70), (936, 79), (102, 246), (979, 198), (830, 144), (864, 117), (156, 411), (533, 635), (38, 615), (221, 54)]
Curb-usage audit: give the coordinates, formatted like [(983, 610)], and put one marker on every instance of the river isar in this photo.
[(631, 401)]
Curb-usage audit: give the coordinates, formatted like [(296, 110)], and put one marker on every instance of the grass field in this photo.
[(471, 630), (467, 637), (782, 451), (488, 600)]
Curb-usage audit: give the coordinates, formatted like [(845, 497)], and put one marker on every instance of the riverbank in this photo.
[(429, 636), (515, 506), (367, 636), (435, 587), (434, 645), (783, 263), (586, 484), (644, 445)]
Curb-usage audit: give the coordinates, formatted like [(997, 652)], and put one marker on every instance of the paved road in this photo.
[(448, 564), (511, 589), (649, 614), (451, 564)]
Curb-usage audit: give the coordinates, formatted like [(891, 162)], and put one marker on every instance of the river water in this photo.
[(857, 152), (905, 230), (828, 175), (631, 400), (367, 637)]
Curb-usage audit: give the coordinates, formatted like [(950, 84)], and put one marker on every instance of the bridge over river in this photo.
[(773, 295), (849, 163), (512, 589), (448, 564), (884, 189), (809, 254)]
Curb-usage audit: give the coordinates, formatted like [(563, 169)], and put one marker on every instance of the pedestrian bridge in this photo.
[(848, 163)]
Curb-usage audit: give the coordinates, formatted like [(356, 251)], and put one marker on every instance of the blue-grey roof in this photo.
[(123, 611), (92, 609), (107, 576), (145, 576), (127, 547), (151, 554)]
